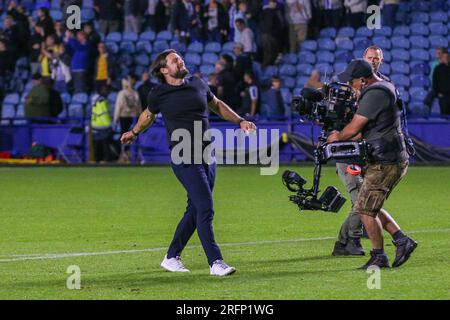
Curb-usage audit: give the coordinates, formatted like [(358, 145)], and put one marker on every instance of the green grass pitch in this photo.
[(121, 221)]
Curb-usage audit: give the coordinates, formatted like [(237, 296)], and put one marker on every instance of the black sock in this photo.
[(398, 235), (378, 251)]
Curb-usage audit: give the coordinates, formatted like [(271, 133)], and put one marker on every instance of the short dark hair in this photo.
[(373, 48), (229, 59), (160, 62), (240, 20)]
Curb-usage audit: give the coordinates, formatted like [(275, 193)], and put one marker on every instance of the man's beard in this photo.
[(180, 73)]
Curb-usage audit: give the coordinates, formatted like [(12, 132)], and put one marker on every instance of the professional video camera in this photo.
[(333, 107)]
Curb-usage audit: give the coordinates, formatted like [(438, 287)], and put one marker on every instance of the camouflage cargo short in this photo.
[(379, 181)]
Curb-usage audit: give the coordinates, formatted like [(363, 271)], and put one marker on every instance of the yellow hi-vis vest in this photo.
[(100, 117)]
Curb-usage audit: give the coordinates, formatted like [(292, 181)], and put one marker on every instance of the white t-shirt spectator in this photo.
[(248, 40), (298, 11)]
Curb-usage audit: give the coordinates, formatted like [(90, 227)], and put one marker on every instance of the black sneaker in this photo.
[(354, 247), (349, 249), (339, 249), (378, 260), (405, 247)]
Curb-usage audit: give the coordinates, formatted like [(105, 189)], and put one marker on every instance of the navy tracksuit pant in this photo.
[(198, 180)]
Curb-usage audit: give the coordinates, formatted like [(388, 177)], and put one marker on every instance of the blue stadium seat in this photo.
[(129, 36), (270, 71), (359, 53), (400, 54), (290, 58), (286, 94), (364, 32), (387, 56), (288, 70), (209, 58), (8, 111), (310, 45), (400, 80), (385, 31), (12, 98), (87, 14), (178, 46), (139, 70), (195, 47), (306, 57), (343, 56), (419, 29), (193, 58), (300, 83), (400, 42), (420, 17), (339, 67), (344, 44), (144, 46), (401, 31), (419, 42), (417, 108), (164, 35), (325, 69), (66, 98), (128, 47), (419, 6), (385, 69), (228, 46), (86, 3), (420, 80), (206, 69), (289, 82), (28, 86), (328, 33), (420, 54), (399, 67), (23, 98), (56, 14), (142, 60), (112, 47), (417, 94), (160, 45), (114, 37), (112, 97), (20, 113), (418, 67), (326, 44), (438, 41), (257, 70), (346, 32), (214, 47), (383, 42), (325, 56), (147, 36), (438, 17), (361, 43), (404, 94), (75, 110), (304, 69), (81, 98), (438, 28)]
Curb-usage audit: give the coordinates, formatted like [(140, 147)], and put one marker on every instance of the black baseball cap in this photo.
[(357, 68)]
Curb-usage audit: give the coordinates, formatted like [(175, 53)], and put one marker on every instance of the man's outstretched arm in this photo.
[(144, 122), (223, 110)]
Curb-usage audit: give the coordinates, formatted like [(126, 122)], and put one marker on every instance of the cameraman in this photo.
[(377, 120)]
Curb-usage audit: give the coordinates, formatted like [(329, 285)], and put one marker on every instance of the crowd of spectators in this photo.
[(262, 30)]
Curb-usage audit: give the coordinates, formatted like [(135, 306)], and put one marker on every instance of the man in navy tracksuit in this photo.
[(183, 102)]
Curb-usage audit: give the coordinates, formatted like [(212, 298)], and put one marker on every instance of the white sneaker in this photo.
[(220, 268), (173, 265)]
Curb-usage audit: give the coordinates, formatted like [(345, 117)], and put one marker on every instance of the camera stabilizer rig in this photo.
[(333, 107)]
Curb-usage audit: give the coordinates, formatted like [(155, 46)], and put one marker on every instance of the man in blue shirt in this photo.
[(183, 102)]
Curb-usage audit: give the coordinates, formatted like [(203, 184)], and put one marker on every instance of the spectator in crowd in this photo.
[(150, 14), (104, 68), (272, 25), (20, 17), (35, 48), (389, 11), (10, 36), (314, 80), (246, 37), (254, 8), (216, 21), (61, 70), (212, 82), (182, 19), (6, 68), (128, 106), (80, 49), (49, 50), (92, 35), (37, 102), (298, 14), (438, 54), (132, 15), (236, 11), (108, 14), (59, 31), (144, 89), (226, 82), (101, 126), (441, 81), (332, 13), (356, 12), (56, 104), (163, 14), (46, 21), (243, 62), (198, 25), (250, 96), (272, 104)]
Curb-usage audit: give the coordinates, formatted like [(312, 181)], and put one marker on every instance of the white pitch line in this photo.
[(86, 254)]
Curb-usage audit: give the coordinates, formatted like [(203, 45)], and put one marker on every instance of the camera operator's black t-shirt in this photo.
[(181, 106)]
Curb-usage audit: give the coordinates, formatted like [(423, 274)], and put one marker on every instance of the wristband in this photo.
[(134, 133)]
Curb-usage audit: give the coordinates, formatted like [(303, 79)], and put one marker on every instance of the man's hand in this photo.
[(334, 136), (128, 138), (248, 126)]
